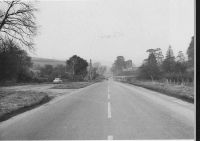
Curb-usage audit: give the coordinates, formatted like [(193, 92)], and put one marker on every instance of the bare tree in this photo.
[(17, 21), (100, 69)]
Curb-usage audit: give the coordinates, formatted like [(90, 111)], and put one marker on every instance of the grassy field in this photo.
[(44, 61), (72, 85), (18, 99), (179, 91), (15, 102)]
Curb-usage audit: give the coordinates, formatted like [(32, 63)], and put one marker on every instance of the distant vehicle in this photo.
[(57, 80)]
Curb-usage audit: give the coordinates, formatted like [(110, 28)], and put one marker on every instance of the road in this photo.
[(105, 110)]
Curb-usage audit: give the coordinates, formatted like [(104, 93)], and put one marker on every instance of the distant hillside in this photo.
[(44, 61)]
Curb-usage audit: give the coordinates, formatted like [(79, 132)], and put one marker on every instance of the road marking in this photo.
[(110, 137), (109, 110)]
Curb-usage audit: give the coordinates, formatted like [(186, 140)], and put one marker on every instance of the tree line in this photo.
[(16, 66), (75, 69), (170, 68)]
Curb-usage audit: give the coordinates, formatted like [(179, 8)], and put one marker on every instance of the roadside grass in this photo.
[(185, 93), (72, 85), (15, 102)]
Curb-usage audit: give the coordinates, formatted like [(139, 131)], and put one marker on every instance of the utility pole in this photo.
[(73, 67), (90, 70)]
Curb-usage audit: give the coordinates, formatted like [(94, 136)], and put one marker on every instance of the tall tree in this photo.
[(98, 70), (180, 67), (17, 21), (180, 57), (158, 54), (169, 62), (190, 63), (101, 70), (150, 69), (190, 53), (119, 64), (77, 66), (14, 62)]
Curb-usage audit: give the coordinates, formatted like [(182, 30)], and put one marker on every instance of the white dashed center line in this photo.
[(110, 137), (109, 110)]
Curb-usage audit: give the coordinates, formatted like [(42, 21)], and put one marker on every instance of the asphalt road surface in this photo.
[(105, 110)]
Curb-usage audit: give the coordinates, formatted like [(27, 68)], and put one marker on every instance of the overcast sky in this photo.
[(104, 29)]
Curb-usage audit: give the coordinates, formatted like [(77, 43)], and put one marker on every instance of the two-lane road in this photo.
[(105, 110)]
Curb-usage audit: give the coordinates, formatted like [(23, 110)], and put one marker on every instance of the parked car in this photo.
[(57, 80)]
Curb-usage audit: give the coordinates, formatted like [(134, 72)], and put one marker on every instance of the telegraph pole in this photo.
[(73, 67), (90, 70)]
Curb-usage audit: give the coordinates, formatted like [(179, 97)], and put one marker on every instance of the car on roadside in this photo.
[(57, 81)]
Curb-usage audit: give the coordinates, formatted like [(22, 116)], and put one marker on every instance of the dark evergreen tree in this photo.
[(169, 61), (190, 53)]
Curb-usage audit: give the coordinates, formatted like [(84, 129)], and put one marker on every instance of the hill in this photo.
[(44, 61)]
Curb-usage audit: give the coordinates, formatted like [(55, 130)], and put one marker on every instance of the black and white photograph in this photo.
[(98, 70)]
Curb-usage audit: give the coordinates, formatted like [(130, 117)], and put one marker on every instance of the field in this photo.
[(44, 61)]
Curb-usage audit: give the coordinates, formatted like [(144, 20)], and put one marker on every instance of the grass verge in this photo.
[(72, 85), (185, 93), (16, 102)]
